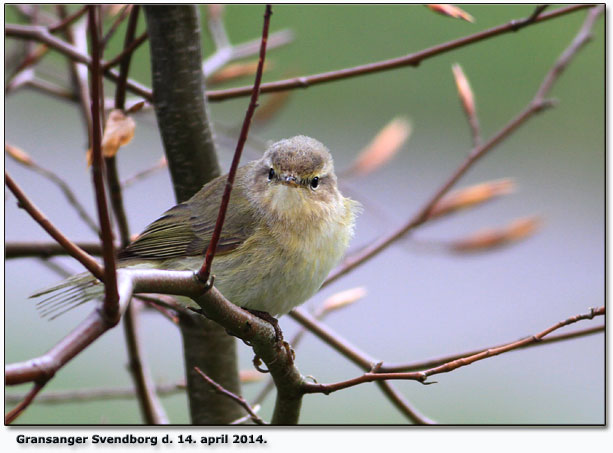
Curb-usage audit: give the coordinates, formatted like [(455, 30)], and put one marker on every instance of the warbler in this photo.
[(287, 225)]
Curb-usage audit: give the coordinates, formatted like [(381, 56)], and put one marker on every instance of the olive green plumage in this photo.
[(286, 226)]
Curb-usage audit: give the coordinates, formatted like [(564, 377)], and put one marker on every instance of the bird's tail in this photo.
[(70, 293)]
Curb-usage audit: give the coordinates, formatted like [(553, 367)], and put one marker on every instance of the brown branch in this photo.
[(205, 270), (126, 52), (358, 357), (71, 396), (450, 366), (71, 248), (120, 91), (77, 36), (68, 20), (116, 23), (413, 59), (33, 57), (422, 376), (130, 180), (41, 34), (536, 105), (62, 185), (151, 408), (239, 399), (111, 306), (403, 405), (43, 368), (430, 363), (16, 412), (23, 249)]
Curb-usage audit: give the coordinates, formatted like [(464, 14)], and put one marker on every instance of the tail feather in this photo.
[(66, 295)]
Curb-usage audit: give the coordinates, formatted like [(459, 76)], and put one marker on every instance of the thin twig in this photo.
[(67, 20), (388, 389), (536, 105), (151, 407), (75, 251), (239, 399), (38, 249), (205, 270), (16, 412), (247, 49), (41, 34), (430, 363), (72, 396), (121, 16), (44, 367), (111, 306), (160, 164), (422, 376), (29, 60), (413, 59), (77, 36), (65, 188), (38, 33), (126, 52)]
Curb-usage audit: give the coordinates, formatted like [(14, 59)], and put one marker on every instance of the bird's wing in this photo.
[(186, 229)]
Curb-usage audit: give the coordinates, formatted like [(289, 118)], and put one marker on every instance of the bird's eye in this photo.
[(314, 182), (271, 174)]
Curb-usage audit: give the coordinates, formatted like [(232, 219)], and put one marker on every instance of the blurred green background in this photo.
[(421, 302)]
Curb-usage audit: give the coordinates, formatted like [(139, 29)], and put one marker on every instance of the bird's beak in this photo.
[(290, 180)]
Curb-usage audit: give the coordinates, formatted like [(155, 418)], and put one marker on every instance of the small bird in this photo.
[(287, 225)]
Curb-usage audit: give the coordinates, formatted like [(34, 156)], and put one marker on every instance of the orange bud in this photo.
[(116, 8), (343, 299), (214, 12), (491, 238), (118, 132), (472, 196), (464, 90), (19, 155), (236, 70), (249, 376), (137, 106), (451, 11), (383, 147)]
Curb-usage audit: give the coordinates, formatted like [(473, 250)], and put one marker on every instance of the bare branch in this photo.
[(71, 396), (413, 59), (62, 185), (422, 376), (126, 52), (75, 251), (159, 165), (111, 299), (205, 270), (23, 249), (43, 368), (125, 9), (68, 20), (239, 399), (430, 363), (41, 34), (536, 105), (16, 412)]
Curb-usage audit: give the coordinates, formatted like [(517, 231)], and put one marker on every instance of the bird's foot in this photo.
[(278, 332), (270, 319)]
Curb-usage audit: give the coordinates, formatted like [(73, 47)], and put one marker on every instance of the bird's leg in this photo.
[(278, 332), (264, 315)]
